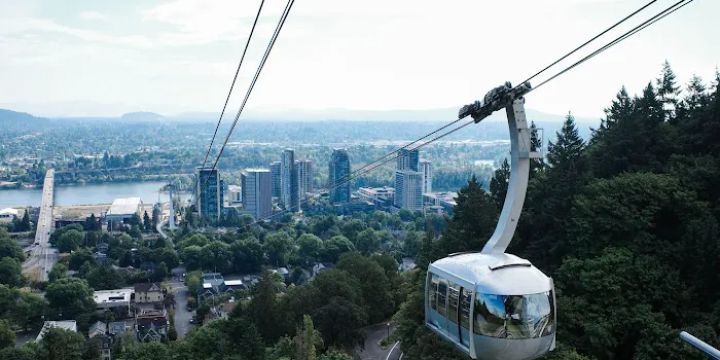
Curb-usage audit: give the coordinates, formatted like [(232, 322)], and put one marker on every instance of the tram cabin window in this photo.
[(453, 298), (515, 316), (465, 301), (433, 291), (442, 297)]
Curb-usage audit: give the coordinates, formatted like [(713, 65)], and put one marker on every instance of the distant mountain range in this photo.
[(311, 120)]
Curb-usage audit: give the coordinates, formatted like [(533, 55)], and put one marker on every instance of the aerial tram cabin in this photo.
[(489, 304)]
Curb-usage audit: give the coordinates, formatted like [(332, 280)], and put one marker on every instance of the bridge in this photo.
[(42, 256)]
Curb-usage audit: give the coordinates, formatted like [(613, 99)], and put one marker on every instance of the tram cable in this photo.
[(578, 48), (268, 49), (657, 17), (232, 85), (394, 154)]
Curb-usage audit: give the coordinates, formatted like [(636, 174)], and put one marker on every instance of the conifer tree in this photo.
[(498, 184)]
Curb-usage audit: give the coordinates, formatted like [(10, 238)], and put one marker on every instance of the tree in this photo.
[(25, 222), (78, 258), (668, 90), (61, 344), (367, 241), (499, 183), (247, 255), (474, 218), (7, 336), (310, 247), (307, 340), (70, 297), (146, 351), (278, 246), (216, 255), (192, 257), (8, 247), (335, 355), (70, 240), (335, 246), (10, 272), (263, 306), (339, 321), (58, 271), (104, 277), (147, 223), (374, 285)]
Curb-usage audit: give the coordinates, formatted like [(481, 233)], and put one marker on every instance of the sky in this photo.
[(106, 58)]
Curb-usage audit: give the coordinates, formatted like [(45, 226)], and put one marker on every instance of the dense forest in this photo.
[(625, 223)]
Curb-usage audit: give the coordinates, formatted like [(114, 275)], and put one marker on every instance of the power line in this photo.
[(268, 49), (232, 85)]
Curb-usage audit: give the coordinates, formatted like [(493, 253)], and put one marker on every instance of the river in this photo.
[(86, 194)]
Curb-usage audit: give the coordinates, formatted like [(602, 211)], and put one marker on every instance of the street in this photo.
[(372, 350), (182, 315)]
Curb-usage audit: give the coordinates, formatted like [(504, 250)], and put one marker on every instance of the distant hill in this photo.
[(13, 121), (142, 116)]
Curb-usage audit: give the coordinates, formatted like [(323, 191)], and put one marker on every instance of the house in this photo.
[(97, 329), (98, 333), (152, 327), (117, 300), (232, 285), (148, 293), (69, 325), (119, 327)]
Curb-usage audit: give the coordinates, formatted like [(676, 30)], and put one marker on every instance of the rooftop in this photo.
[(112, 296), (125, 206), (70, 325), (9, 211)]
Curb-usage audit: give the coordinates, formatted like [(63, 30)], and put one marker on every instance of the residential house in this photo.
[(152, 327), (148, 293)]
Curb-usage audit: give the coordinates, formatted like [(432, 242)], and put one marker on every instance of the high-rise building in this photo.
[(427, 172), (209, 194), (257, 192), (304, 173), (408, 159), (408, 190), (275, 173), (339, 171), (289, 194)]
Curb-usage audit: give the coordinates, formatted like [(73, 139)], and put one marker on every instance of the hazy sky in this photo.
[(85, 57)]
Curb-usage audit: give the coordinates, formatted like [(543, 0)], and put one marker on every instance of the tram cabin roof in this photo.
[(499, 274)]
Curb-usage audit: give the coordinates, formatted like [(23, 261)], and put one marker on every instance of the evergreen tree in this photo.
[(474, 219), (147, 223), (668, 90), (25, 223), (499, 183)]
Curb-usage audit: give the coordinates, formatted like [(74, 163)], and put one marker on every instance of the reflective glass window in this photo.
[(453, 298), (465, 299), (515, 316), (490, 315), (433, 291), (442, 297)]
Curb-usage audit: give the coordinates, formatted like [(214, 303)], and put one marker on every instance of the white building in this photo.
[(378, 196), (7, 215), (111, 299), (69, 325), (122, 210)]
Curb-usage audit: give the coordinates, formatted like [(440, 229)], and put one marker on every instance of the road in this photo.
[(182, 315), (372, 350), (42, 256)]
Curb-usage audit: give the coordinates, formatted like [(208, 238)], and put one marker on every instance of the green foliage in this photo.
[(278, 246), (7, 336), (8, 247), (10, 272), (146, 351), (70, 240), (375, 287), (335, 355), (105, 277), (61, 344), (70, 297)]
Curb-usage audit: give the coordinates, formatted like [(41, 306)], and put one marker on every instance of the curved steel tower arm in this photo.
[(520, 154)]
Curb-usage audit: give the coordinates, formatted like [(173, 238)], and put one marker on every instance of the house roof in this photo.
[(145, 287), (146, 322), (9, 211), (98, 328)]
